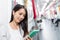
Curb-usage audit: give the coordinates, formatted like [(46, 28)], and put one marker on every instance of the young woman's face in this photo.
[(19, 15)]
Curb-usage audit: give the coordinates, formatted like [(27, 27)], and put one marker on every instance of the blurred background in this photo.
[(42, 14)]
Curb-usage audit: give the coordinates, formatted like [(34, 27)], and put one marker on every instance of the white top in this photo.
[(7, 33)]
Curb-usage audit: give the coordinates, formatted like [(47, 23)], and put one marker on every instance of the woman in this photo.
[(17, 28)]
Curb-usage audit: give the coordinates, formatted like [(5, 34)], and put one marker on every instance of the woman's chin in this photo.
[(18, 21)]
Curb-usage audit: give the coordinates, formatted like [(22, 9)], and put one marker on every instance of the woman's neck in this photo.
[(14, 25)]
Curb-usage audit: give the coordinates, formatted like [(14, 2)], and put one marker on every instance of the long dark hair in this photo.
[(24, 22)]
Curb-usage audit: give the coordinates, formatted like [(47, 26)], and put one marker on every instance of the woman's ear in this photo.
[(13, 12)]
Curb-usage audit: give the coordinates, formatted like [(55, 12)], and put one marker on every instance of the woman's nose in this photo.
[(22, 17)]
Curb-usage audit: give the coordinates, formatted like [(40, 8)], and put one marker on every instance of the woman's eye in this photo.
[(20, 14)]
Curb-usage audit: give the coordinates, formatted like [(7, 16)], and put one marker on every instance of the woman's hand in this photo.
[(27, 38)]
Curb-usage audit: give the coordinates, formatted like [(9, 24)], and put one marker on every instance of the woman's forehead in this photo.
[(22, 11)]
